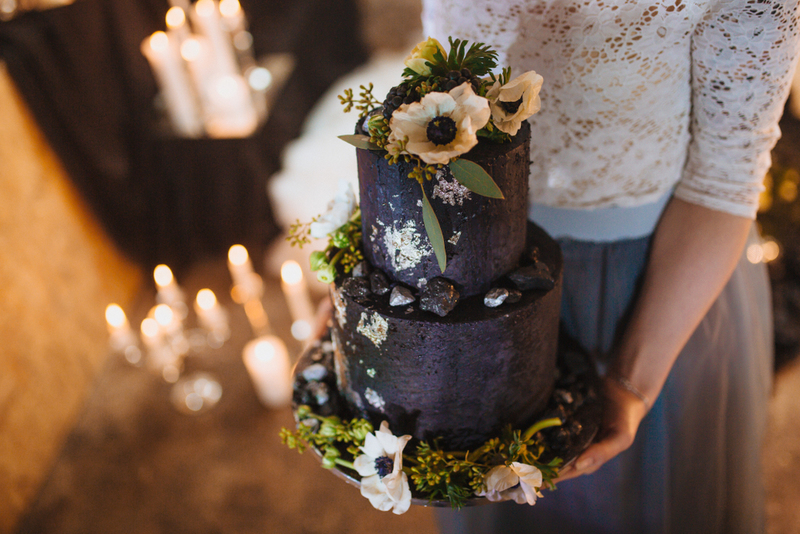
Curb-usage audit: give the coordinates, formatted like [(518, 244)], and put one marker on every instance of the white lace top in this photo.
[(642, 95)]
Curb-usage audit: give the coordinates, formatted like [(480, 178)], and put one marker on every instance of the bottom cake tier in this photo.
[(460, 378)]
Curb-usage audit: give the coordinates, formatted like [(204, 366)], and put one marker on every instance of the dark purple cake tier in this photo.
[(462, 377), (484, 237)]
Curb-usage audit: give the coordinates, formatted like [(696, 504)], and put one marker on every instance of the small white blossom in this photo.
[(517, 482), (383, 481), (515, 101), (439, 127), (340, 209)]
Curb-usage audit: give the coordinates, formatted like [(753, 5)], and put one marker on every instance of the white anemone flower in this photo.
[(383, 481), (515, 101), (340, 209), (517, 482), (441, 126)]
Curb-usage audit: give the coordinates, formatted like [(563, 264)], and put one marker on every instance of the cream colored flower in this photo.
[(517, 482), (383, 481), (340, 209), (422, 53), (441, 126), (515, 101)]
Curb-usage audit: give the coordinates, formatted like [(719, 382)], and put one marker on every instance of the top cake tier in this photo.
[(484, 237)]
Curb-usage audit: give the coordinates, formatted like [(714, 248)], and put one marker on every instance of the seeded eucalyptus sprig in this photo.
[(365, 103)]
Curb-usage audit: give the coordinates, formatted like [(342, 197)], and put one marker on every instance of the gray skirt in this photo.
[(695, 466)]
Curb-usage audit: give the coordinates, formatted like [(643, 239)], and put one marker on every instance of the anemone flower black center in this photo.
[(384, 465), (441, 130), (511, 107)]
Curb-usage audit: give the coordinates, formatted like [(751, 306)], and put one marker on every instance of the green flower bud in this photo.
[(332, 453), (328, 463), (340, 240), (330, 427), (318, 260), (375, 124), (326, 274), (360, 430)]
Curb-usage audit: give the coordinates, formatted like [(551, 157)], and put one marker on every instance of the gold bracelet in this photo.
[(625, 383)]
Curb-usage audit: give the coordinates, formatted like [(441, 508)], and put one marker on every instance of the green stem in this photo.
[(337, 257), (541, 425), (345, 463)]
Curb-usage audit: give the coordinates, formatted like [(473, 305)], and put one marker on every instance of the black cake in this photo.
[(462, 375)]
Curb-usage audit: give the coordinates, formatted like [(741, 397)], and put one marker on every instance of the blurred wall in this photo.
[(58, 271)]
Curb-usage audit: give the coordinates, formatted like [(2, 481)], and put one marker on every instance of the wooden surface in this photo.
[(57, 273)]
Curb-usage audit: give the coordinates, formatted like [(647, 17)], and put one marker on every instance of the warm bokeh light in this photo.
[(755, 254), (259, 78), (771, 250), (205, 8), (787, 191), (150, 327), (162, 275), (163, 315), (159, 41), (301, 330), (237, 255), (229, 8), (227, 87), (206, 299), (264, 350), (115, 316), (175, 17), (190, 49), (291, 272)]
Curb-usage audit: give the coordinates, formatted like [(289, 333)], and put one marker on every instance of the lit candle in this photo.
[(206, 19), (176, 24), (211, 315), (295, 291), (120, 334), (161, 356), (164, 57), (267, 362), (169, 292), (246, 281), (232, 16), (231, 112)]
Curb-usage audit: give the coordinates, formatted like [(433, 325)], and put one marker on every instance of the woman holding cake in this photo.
[(648, 155)]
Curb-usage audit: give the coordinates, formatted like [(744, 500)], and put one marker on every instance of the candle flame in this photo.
[(259, 78), (237, 255), (206, 299), (291, 272), (175, 17), (190, 49), (115, 316), (229, 8), (264, 350), (163, 275), (163, 314), (159, 41), (204, 8), (149, 327)]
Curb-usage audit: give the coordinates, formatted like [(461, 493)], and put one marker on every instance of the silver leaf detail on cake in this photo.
[(450, 192), (374, 328), (454, 240), (374, 399), (405, 246), (495, 297)]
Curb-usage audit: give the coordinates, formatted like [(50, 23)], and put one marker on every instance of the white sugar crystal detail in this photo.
[(374, 328), (450, 192), (374, 399), (405, 247)]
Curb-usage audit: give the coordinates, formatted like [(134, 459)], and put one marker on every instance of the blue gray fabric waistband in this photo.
[(606, 224)]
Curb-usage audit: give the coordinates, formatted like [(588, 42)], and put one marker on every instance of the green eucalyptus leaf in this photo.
[(473, 177), (434, 231), (359, 141)]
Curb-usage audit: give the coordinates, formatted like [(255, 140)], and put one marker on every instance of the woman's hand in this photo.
[(622, 413)]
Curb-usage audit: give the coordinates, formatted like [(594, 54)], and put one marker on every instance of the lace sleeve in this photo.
[(743, 54)]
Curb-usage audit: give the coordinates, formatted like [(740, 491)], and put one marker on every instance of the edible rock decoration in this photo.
[(536, 276), (439, 297), (495, 297), (357, 288), (401, 296), (361, 269), (379, 283), (514, 295)]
